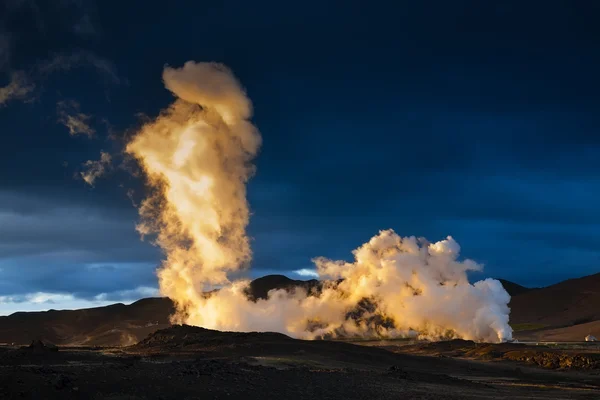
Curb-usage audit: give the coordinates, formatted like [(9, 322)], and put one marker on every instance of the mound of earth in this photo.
[(188, 337), (184, 339), (37, 346)]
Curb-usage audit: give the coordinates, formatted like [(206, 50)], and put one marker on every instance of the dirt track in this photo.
[(200, 364)]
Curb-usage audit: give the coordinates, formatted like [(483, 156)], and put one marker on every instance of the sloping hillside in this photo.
[(574, 333), (116, 324), (567, 311), (571, 302), (514, 289)]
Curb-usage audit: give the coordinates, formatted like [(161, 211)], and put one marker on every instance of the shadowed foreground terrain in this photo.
[(580, 356), (184, 362)]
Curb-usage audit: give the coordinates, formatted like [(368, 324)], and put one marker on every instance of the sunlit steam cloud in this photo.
[(395, 287), (197, 159), (197, 156)]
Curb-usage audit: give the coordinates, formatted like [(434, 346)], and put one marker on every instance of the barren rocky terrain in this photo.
[(132, 352), (184, 362)]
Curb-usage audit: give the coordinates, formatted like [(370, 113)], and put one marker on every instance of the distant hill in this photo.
[(260, 287), (569, 310), (567, 334), (566, 303), (117, 324), (514, 289)]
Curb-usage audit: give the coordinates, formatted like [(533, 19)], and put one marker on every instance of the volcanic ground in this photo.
[(132, 352), (183, 362)]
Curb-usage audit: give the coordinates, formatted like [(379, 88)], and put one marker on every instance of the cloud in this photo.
[(96, 168), (64, 62), (305, 272), (41, 301), (137, 293), (43, 15), (37, 298), (21, 85), (37, 227), (67, 244), (76, 121), (19, 88)]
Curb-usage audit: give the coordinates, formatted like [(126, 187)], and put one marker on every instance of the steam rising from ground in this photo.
[(197, 158)]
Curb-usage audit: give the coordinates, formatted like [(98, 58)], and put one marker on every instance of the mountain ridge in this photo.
[(563, 310)]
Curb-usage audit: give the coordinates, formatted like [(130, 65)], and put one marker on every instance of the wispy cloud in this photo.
[(76, 121), (96, 168), (305, 272), (18, 88), (42, 301), (21, 85), (37, 298), (137, 293), (82, 58)]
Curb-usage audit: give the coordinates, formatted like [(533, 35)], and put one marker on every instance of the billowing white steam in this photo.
[(197, 158)]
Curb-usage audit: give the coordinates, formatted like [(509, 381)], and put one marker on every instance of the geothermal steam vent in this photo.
[(197, 157)]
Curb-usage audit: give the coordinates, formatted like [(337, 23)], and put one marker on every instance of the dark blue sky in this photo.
[(466, 118)]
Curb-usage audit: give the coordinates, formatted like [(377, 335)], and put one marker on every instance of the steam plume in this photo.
[(395, 287), (197, 158)]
